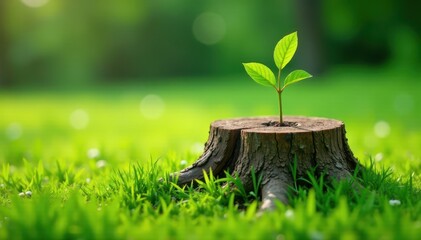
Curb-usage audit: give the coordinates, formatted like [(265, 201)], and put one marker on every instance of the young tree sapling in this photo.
[(283, 53)]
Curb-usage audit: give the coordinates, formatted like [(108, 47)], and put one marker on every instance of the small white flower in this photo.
[(394, 202), (28, 193), (2, 185), (183, 162), (88, 180), (21, 194), (101, 163)]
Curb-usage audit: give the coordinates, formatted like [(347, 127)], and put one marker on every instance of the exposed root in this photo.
[(276, 189), (195, 171), (220, 152)]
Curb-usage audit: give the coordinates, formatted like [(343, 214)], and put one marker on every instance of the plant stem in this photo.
[(281, 122), (279, 90)]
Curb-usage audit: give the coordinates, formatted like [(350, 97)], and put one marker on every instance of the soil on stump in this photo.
[(238, 145)]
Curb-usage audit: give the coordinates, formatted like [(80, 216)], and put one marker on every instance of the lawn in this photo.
[(86, 163)]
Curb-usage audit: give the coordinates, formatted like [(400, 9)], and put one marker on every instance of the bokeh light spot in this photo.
[(378, 157), (382, 129), (79, 119), (197, 148), (93, 153), (34, 3), (209, 28), (394, 202), (152, 106), (14, 131), (370, 141), (403, 104), (289, 213), (101, 164)]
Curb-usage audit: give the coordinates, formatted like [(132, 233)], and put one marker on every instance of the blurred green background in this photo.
[(142, 79), (90, 87), (77, 43)]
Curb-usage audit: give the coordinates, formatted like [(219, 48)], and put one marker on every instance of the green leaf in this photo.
[(296, 76), (285, 50), (260, 73)]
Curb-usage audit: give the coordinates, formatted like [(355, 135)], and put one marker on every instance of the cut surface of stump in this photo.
[(240, 145)]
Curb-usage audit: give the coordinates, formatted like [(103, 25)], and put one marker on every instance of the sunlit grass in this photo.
[(92, 158)]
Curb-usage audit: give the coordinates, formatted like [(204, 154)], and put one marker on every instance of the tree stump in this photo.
[(238, 145)]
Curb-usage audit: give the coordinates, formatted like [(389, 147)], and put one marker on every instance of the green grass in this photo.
[(102, 181)]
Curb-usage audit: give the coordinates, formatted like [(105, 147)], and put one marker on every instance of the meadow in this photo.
[(85, 163)]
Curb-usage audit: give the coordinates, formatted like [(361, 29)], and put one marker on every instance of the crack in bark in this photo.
[(290, 136), (314, 158), (229, 165), (277, 146)]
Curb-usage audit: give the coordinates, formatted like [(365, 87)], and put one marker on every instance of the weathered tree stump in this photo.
[(241, 144)]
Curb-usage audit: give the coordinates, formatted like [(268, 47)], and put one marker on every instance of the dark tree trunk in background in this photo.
[(311, 36), (5, 67), (239, 145)]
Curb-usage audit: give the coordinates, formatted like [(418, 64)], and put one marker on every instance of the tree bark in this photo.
[(240, 145), (6, 72)]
